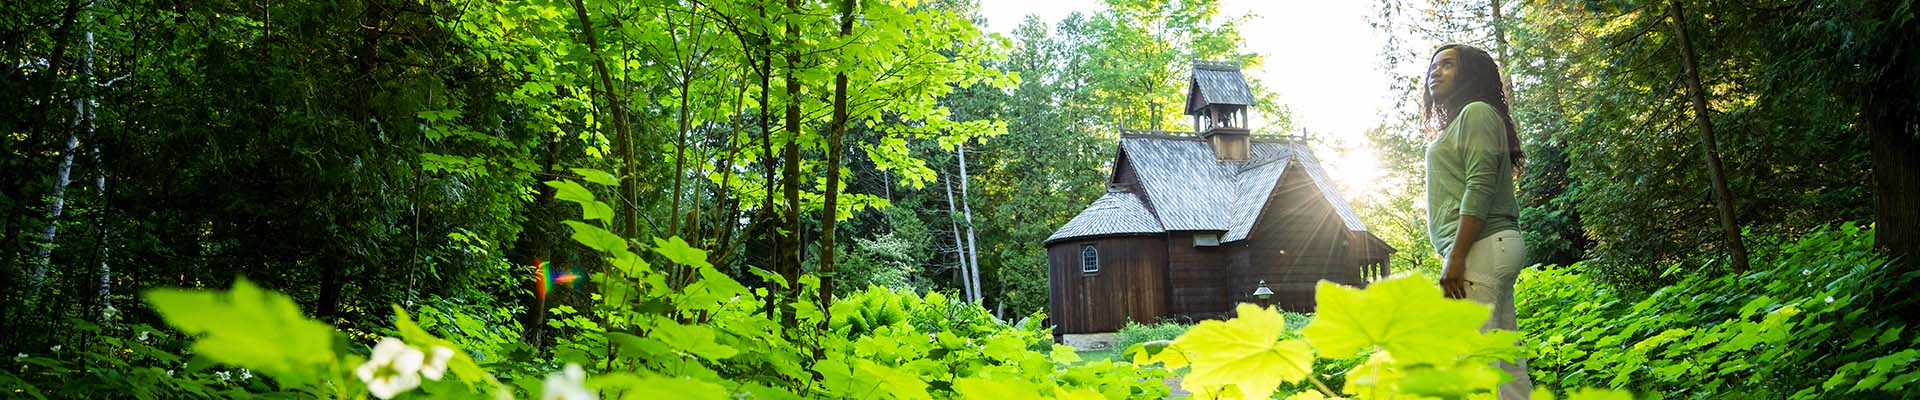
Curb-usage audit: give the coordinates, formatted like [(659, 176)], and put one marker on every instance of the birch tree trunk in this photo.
[(82, 123), (100, 229), (1723, 198), (973, 251), (960, 246)]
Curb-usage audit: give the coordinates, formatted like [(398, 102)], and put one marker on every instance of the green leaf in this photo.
[(597, 177), (680, 252), (1456, 382), (1157, 351), (974, 388), (661, 387), (898, 384), (251, 328), (1889, 335), (693, 339), (1064, 354), (597, 211), (1600, 394), (778, 280), (1245, 351), (1405, 316), (570, 191), (597, 238), (461, 365)]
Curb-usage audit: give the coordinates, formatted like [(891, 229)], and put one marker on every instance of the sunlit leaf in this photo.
[(1406, 316), (596, 176), (249, 327), (597, 238), (1245, 351)]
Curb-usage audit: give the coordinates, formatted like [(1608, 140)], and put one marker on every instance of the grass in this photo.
[(1107, 354)]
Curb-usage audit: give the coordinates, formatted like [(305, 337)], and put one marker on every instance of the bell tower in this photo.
[(1217, 98)]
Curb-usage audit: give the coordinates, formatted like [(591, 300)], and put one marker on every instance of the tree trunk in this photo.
[(1896, 179), (100, 229), (830, 211), (82, 124), (1723, 198), (623, 135), (723, 229), (959, 245), (1499, 37), (680, 149), (768, 215), (790, 168), (973, 250)]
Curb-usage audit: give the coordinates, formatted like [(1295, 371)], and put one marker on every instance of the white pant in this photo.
[(1492, 266)]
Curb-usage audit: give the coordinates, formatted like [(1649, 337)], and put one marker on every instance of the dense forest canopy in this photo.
[(694, 166)]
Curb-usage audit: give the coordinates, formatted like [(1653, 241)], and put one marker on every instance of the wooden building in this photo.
[(1193, 222)]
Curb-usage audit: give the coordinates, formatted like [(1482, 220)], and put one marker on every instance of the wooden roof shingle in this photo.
[(1192, 191), (1214, 83), (1116, 213)]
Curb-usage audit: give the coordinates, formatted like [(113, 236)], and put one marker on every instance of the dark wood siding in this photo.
[(1125, 179), (1131, 284), (1297, 241), (1198, 277)]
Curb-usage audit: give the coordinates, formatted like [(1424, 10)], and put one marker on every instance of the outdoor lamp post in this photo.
[(1262, 293)]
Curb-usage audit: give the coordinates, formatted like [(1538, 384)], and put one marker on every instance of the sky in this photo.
[(1322, 59)]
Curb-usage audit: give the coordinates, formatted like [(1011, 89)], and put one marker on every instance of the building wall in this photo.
[(1297, 241), (1131, 284), (1198, 277)]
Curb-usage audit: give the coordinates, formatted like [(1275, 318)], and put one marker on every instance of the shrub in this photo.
[(1818, 316), (1134, 333)]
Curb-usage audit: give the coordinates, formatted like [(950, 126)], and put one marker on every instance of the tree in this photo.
[(1722, 197)]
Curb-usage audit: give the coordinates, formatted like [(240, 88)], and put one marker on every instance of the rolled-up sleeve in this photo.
[(1483, 147)]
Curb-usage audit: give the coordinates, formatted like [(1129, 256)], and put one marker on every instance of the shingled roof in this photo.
[(1217, 83), (1117, 213), (1187, 189)]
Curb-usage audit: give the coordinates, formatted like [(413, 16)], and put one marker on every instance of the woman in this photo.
[(1473, 219)]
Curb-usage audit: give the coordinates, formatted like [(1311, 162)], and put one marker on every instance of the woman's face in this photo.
[(1441, 75)]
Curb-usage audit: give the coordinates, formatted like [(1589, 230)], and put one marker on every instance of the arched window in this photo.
[(1089, 259)]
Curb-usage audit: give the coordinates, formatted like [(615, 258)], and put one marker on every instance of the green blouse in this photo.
[(1469, 172)]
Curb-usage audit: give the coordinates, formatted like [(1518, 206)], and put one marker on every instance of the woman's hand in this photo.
[(1453, 278)]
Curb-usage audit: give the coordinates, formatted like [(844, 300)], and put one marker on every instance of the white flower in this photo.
[(56, 348), (143, 336), (169, 372), (437, 366), (245, 374), (223, 375), (393, 369), (569, 384)]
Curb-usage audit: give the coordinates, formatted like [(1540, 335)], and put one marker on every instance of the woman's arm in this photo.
[(1483, 143), (1453, 273)]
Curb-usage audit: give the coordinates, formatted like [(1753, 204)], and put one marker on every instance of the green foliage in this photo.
[(892, 260), (1396, 212), (252, 327), (1791, 153), (880, 344), (1133, 333), (1414, 343), (1819, 316), (125, 361)]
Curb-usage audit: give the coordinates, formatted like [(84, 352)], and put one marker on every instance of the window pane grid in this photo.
[(1089, 259)]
